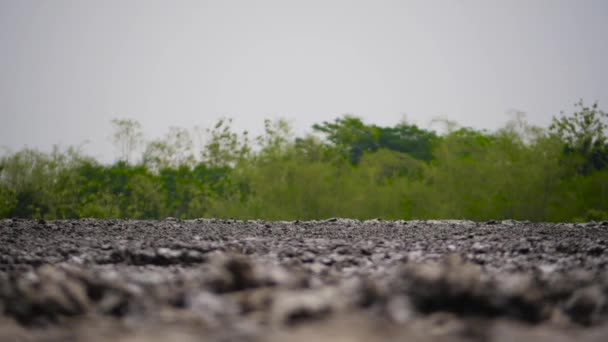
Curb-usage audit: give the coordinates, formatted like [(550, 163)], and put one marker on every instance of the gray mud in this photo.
[(335, 280)]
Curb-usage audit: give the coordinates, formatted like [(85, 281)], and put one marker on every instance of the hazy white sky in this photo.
[(68, 67)]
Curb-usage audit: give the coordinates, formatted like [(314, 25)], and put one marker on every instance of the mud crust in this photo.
[(335, 280)]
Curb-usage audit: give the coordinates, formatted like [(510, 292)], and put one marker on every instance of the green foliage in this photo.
[(225, 148), (584, 135), (351, 136), (8, 201), (174, 150), (354, 138), (478, 175), (102, 205), (354, 170)]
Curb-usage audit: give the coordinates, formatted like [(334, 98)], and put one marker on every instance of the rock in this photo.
[(595, 250)]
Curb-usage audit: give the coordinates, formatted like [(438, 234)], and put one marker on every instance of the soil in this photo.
[(334, 280)]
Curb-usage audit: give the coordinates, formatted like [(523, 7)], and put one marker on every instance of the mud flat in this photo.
[(333, 280)]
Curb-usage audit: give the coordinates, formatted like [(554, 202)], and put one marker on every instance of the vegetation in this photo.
[(348, 168)]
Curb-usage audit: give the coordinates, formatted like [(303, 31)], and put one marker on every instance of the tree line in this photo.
[(345, 168)]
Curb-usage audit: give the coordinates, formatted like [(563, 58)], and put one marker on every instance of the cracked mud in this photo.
[(335, 280)]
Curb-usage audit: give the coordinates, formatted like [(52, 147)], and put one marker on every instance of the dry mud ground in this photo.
[(332, 280)]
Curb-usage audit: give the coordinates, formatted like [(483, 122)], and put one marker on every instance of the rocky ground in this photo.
[(333, 280)]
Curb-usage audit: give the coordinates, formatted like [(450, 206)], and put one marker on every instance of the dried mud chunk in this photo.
[(585, 305), (519, 295), (214, 309), (450, 285), (596, 250), (233, 273), (113, 304), (142, 257), (107, 295), (292, 307), (193, 256), (399, 309), (255, 300), (230, 273), (567, 247), (369, 292), (480, 248), (46, 294), (456, 286)]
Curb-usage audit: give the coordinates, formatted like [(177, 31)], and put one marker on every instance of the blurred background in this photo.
[(301, 110)]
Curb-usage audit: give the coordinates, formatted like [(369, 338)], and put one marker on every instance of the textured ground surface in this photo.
[(335, 280)]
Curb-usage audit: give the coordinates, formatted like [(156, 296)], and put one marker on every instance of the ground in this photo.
[(333, 280)]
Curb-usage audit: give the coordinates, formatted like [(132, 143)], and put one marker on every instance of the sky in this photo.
[(67, 68)]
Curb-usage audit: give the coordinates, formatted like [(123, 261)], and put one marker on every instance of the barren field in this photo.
[(334, 280)]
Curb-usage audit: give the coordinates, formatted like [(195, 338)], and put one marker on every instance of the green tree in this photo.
[(354, 138), (224, 147), (584, 134), (350, 135)]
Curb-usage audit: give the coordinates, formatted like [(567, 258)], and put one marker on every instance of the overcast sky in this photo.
[(68, 67)]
